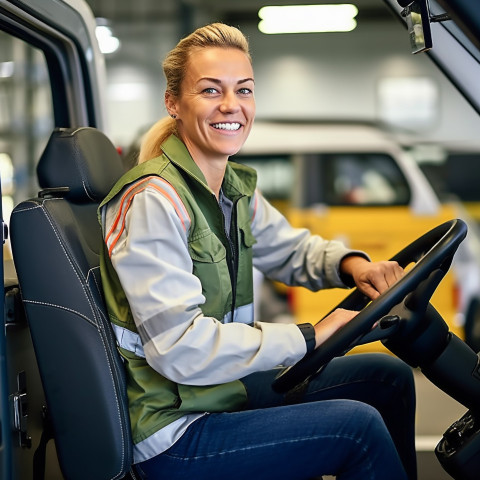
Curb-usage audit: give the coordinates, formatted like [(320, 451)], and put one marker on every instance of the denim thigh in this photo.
[(344, 438), (380, 380)]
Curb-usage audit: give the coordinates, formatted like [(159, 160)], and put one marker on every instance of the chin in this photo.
[(232, 150)]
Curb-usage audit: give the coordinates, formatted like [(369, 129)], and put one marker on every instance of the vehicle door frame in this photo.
[(65, 32)]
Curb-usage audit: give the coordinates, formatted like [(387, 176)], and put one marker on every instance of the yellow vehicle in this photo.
[(352, 182)]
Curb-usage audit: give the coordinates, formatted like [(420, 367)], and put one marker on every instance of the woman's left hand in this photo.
[(372, 278)]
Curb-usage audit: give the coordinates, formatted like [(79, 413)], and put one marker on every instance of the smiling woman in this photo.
[(178, 66), (215, 109), (183, 230)]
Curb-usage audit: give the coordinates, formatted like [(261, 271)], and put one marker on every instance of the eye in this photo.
[(245, 91), (210, 91)]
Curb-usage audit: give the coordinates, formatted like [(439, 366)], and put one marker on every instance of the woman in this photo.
[(182, 230)]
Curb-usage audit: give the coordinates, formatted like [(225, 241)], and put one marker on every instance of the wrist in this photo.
[(348, 265)]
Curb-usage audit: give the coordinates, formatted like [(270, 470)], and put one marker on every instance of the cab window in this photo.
[(275, 176), (26, 118), (364, 179)]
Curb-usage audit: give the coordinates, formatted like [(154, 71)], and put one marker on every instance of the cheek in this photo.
[(252, 109), (248, 128)]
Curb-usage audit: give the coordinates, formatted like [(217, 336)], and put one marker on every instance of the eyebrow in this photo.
[(218, 81)]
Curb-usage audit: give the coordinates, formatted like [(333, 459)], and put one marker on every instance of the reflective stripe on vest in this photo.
[(132, 342)]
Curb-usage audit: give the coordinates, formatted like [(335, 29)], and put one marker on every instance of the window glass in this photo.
[(26, 118), (275, 174), (364, 179)]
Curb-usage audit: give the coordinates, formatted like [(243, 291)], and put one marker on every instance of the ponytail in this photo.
[(152, 140)]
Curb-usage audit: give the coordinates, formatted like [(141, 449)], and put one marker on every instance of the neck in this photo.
[(213, 168), (214, 174)]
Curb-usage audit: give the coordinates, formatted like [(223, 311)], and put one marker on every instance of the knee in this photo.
[(401, 383), (367, 412), (375, 432), (397, 370), (368, 427)]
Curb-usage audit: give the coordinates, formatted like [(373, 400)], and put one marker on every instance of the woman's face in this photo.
[(216, 107)]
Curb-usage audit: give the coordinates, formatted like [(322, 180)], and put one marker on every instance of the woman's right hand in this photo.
[(331, 323)]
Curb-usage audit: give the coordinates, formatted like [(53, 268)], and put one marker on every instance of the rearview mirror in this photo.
[(417, 16)]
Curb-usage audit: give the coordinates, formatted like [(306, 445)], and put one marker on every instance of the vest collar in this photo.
[(178, 154), (233, 184)]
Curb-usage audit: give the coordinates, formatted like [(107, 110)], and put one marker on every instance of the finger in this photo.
[(379, 281), (369, 291), (393, 273)]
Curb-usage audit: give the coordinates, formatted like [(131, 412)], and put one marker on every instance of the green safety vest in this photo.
[(223, 266)]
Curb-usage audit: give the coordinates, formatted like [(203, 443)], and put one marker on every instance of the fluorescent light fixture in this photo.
[(307, 18), (106, 41), (6, 69)]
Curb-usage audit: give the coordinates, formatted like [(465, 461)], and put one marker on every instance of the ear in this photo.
[(170, 104)]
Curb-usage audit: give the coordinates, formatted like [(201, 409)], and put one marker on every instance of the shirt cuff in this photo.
[(309, 333)]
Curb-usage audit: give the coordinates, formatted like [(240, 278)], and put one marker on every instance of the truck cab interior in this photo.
[(61, 376)]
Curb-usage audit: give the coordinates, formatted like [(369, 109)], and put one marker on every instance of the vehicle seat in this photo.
[(56, 241)]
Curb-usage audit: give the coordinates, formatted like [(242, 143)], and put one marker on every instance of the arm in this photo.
[(155, 269), (315, 263), (292, 255)]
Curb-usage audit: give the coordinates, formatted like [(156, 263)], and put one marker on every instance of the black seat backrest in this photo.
[(56, 241)]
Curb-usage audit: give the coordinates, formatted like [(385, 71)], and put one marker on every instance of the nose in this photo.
[(229, 102)]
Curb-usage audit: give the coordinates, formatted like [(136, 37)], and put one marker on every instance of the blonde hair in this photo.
[(175, 66)]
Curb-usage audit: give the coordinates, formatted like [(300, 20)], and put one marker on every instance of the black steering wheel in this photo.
[(432, 254)]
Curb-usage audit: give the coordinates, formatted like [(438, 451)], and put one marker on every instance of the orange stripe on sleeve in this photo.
[(122, 201), (126, 202)]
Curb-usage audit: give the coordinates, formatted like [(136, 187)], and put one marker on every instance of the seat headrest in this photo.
[(82, 159)]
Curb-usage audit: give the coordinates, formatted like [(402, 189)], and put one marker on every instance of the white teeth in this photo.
[(226, 126)]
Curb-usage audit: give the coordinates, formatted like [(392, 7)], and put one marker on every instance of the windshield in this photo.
[(454, 53), (436, 11)]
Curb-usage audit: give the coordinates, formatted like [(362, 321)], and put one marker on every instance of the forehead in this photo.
[(218, 63)]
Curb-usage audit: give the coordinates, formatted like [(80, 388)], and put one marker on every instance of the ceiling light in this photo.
[(307, 18), (107, 42), (6, 69)]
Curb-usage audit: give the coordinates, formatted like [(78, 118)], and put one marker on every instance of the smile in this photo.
[(226, 126)]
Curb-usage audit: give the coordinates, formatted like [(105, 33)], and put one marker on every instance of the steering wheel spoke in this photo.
[(386, 327)]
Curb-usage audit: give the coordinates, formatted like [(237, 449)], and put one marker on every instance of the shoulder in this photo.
[(145, 196)]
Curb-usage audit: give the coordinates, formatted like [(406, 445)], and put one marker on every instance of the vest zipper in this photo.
[(234, 247), (233, 258)]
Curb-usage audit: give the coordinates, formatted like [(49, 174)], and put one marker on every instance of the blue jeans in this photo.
[(355, 421)]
